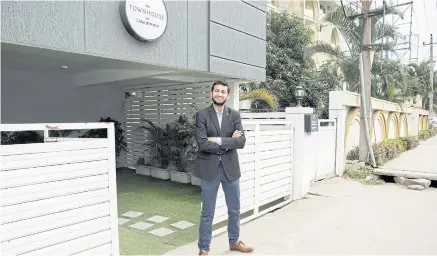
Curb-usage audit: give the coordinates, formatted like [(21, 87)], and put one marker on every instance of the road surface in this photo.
[(343, 217)]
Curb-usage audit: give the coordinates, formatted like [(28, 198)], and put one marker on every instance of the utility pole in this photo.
[(366, 79), (411, 26), (431, 80), (431, 77)]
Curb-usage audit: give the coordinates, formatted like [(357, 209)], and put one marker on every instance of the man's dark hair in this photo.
[(220, 83)]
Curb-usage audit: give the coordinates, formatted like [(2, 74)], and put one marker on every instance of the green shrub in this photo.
[(353, 154), (410, 142), (358, 174), (388, 149), (362, 174), (380, 153), (423, 135)]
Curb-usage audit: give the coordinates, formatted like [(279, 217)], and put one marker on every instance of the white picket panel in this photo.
[(45, 223), (39, 192), (160, 104), (51, 170), (266, 166), (263, 116), (83, 244), (100, 250), (326, 149), (59, 197), (53, 237)]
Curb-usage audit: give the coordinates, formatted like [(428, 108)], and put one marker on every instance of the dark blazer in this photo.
[(209, 154)]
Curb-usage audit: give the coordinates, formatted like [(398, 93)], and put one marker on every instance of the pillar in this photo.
[(234, 100), (338, 111), (340, 116), (303, 164)]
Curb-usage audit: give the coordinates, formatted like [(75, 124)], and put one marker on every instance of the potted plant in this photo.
[(183, 148), (158, 144), (142, 167)]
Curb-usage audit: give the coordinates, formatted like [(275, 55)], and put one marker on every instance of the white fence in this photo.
[(159, 104), (59, 197), (326, 149), (266, 166)]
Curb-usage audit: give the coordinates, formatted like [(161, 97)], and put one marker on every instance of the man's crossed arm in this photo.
[(219, 145)]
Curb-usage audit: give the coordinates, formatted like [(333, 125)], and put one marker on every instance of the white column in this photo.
[(234, 100), (340, 116), (304, 164), (337, 110)]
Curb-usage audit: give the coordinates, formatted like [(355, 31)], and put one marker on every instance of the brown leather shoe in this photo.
[(241, 247), (201, 252)]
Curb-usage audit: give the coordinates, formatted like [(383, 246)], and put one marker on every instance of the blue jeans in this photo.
[(231, 189)]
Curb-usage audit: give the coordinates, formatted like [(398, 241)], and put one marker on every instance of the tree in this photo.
[(422, 87), (287, 38), (351, 30), (289, 64), (327, 79), (261, 98)]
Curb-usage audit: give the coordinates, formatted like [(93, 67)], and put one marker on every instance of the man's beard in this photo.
[(218, 103)]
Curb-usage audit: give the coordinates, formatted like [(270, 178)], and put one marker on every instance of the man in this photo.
[(219, 134)]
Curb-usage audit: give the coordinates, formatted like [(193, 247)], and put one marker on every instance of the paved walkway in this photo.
[(420, 162), (345, 217)]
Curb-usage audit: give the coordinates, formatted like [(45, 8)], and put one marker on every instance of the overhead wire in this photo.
[(426, 15)]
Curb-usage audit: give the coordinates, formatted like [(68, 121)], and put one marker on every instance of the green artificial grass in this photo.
[(155, 197)]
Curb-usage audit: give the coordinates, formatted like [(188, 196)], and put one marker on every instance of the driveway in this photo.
[(343, 217), (420, 162)]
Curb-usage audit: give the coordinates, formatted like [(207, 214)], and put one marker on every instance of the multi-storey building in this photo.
[(312, 12)]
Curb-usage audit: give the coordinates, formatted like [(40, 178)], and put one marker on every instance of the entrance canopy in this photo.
[(90, 70)]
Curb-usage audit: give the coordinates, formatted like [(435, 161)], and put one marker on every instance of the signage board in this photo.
[(145, 20)]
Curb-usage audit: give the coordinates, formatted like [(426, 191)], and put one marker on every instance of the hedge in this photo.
[(424, 135), (387, 149)]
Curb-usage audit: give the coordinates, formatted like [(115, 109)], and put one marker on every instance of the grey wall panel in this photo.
[(240, 16), (237, 69), (259, 4), (106, 35), (198, 35), (54, 97), (233, 45), (52, 24)]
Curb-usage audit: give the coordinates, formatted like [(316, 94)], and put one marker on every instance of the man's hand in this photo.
[(236, 134), (212, 139)]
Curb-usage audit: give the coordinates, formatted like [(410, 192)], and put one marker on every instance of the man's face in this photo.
[(220, 94)]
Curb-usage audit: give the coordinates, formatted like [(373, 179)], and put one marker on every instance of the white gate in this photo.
[(326, 149), (59, 197), (266, 169)]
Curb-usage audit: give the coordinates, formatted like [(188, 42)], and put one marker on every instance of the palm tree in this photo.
[(390, 80), (421, 72), (262, 95), (158, 141), (351, 30)]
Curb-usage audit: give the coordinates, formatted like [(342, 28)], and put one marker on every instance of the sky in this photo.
[(424, 22)]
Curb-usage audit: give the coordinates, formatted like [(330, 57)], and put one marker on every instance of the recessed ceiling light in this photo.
[(64, 66)]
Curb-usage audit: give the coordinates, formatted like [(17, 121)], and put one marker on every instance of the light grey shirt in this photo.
[(219, 117)]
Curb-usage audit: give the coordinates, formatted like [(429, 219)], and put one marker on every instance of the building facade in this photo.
[(312, 13), (78, 61), (67, 59)]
